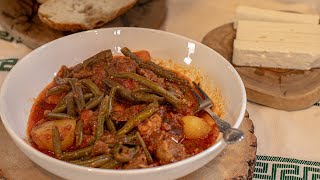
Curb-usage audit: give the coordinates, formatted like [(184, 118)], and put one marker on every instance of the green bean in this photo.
[(103, 109), (53, 115), (70, 104), (58, 89), (144, 147), (142, 89), (94, 102), (56, 142), (109, 122), (143, 94), (92, 86), (65, 71), (103, 55), (129, 139), (87, 96), (111, 126), (111, 165), (91, 160), (76, 69), (80, 160), (153, 86), (61, 106), (124, 154), (126, 51), (98, 163), (125, 93), (77, 153), (158, 70), (134, 121), (79, 133), (61, 81), (146, 97), (77, 93)]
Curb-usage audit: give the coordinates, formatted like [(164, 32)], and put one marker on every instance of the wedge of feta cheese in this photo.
[(278, 32), (254, 26), (276, 54), (251, 13)]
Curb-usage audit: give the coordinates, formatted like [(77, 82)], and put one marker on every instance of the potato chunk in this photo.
[(42, 134), (195, 127)]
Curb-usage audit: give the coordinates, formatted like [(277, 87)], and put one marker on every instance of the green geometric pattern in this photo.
[(7, 64), (7, 37), (270, 167)]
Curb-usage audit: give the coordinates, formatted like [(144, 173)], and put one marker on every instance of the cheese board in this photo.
[(20, 19), (283, 89)]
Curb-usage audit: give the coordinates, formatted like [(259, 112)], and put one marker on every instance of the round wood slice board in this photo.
[(19, 17), (235, 162), (277, 88)]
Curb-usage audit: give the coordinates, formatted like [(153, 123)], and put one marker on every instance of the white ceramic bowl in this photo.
[(36, 70)]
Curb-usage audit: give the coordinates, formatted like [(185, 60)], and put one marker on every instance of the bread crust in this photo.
[(93, 23)]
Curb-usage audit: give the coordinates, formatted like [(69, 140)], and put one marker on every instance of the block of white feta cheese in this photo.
[(278, 32), (276, 54), (251, 13)]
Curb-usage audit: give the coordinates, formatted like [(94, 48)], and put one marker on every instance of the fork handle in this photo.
[(222, 125)]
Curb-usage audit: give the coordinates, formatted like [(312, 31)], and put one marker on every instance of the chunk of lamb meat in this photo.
[(99, 148), (139, 161), (119, 113), (150, 126), (169, 151), (122, 64), (54, 98), (89, 119)]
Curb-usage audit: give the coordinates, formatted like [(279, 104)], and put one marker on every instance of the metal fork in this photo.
[(230, 135)]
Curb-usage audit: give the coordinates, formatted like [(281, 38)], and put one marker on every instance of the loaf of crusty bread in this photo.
[(76, 15)]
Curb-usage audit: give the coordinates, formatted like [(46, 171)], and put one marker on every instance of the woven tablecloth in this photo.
[(288, 142)]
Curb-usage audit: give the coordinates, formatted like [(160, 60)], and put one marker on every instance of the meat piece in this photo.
[(152, 76), (128, 83), (151, 125), (152, 141), (139, 161), (169, 151), (84, 73), (143, 55), (89, 119), (127, 113), (173, 126), (108, 138), (99, 74), (99, 148), (166, 126), (122, 64), (87, 139), (54, 98)]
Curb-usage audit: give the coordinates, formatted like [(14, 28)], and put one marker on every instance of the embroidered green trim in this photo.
[(271, 167), (7, 64)]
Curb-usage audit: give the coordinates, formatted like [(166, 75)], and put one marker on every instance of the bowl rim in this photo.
[(23, 145)]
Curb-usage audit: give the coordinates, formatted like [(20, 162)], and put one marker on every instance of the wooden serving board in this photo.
[(237, 161), (19, 17), (277, 88)]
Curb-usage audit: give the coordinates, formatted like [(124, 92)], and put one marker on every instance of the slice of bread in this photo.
[(77, 15)]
